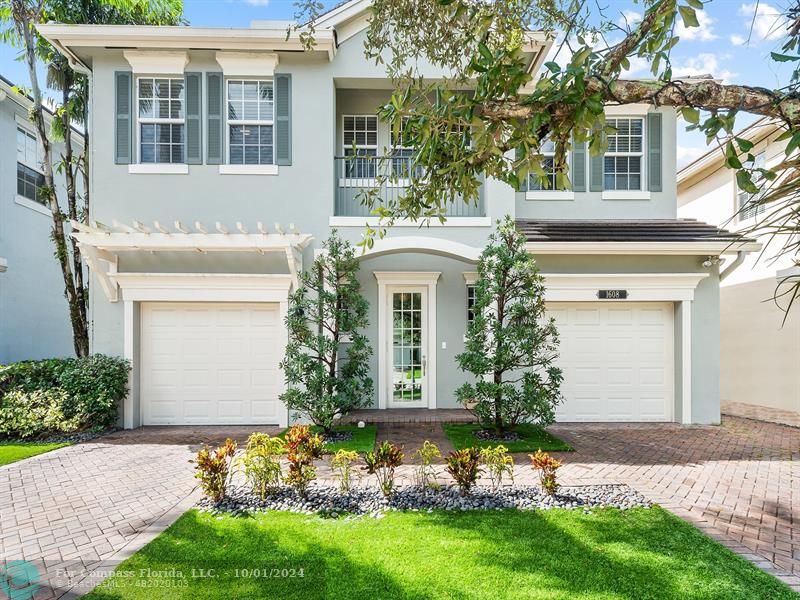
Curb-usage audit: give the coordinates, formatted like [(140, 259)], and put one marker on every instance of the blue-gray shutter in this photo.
[(523, 187), (578, 175), (214, 118), (596, 169), (283, 119), (194, 143), (654, 152), (123, 117)]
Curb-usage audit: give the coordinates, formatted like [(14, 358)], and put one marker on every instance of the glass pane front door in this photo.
[(408, 324)]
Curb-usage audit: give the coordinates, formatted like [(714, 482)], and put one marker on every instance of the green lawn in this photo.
[(13, 451), (533, 438), (363, 440), (497, 555)]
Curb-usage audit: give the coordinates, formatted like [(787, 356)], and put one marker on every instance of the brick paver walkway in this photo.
[(96, 503)]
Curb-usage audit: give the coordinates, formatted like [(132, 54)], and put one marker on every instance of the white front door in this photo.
[(617, 359), (407, 337), (210, 363)]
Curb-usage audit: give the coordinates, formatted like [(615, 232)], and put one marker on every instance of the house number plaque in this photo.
[(612, 294)]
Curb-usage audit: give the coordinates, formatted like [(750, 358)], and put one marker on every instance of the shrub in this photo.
[(327, 357), (547, 466), (511, 344), (424, 474), (31, 414), (382, 462), (303, 448), (464, 467), (499, 463), (92, 388), (261, 462), (342, 464), (213, 469)]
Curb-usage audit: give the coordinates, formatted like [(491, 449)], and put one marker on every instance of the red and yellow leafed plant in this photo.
[(547, 466)]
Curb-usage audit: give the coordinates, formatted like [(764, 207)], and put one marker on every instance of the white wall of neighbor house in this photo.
[(34, 317), (759, 352)]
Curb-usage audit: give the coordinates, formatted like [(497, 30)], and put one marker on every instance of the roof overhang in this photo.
[(650, 248), (102, 244), (73, 40)]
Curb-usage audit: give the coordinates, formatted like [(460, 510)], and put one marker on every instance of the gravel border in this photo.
[(327, 500), (61, 438)]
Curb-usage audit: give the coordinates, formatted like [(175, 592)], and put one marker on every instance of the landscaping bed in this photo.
[(530, 438), (329, 500), (348, 437), (474, 555)]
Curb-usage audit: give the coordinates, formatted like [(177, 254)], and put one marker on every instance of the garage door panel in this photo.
[(617, 361), (209, 363)]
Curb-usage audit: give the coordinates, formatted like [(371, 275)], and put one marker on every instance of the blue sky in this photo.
[(733, 43)]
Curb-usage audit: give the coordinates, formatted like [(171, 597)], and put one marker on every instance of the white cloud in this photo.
[(686, 154), (257, 2), (629, 18), (703, 33), (738, 40), (704, 63), (766, 21)]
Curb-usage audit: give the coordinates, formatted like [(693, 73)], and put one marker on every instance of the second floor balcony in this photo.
[(389, 176)]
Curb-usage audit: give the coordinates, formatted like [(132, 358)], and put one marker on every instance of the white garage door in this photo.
[(617, 361), (209, 363)]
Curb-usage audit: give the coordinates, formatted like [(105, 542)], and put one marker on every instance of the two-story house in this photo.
[(760, 343), (34, 317), (219, 169)]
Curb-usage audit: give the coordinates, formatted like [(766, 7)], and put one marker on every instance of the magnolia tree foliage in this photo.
[(510, 112), (326, 364), (511, 343)]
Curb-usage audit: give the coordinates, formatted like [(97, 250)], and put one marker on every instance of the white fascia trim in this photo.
[(791, 272), (626, 195), (667, 248), (686, 362), (154, 62), (387, 279), (246, 39), (248, 169), (3, 264), (626, 110), (340, 14), (247, 64), (202, 287), (470, 277), (423, 244), (158, 169), (550, 195), (641, 287), (34, 206), (375, 222)]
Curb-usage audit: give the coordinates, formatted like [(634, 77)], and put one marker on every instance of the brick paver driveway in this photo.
[(95, 503), (739, 482), (88, 505)]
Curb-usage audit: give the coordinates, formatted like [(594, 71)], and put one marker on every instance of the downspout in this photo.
[(740, 256)]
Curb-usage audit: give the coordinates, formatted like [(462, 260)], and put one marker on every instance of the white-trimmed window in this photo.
[(745, 206), (251, 111), (401, 153), (162, 128), (624, 159), (30, 178), (360, 138), (548, 150), (470, 304)]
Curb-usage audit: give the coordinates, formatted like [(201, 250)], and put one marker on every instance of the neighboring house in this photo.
[(760, 354), (34, 318), (218, 172)]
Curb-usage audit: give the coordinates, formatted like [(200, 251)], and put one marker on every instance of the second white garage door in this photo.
[(617, 360), (209, 363)]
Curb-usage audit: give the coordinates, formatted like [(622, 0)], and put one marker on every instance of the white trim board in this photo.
[(156, 62), (375, 222), (423, 244), (641, 287), (386, 280), (667, 248)]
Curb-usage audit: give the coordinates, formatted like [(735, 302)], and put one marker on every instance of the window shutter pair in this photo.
[(577, 168), (282, 119), (124, 118), (653, 156)]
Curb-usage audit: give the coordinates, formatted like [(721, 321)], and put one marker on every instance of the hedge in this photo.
[(61, 395)]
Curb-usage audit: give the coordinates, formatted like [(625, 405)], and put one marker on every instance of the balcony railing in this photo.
[(357, 174)]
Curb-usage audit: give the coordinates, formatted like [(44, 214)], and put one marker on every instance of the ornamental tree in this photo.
[(511, 343), (326, 362)]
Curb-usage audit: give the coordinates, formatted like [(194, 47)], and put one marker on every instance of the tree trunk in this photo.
[(24, 22)]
